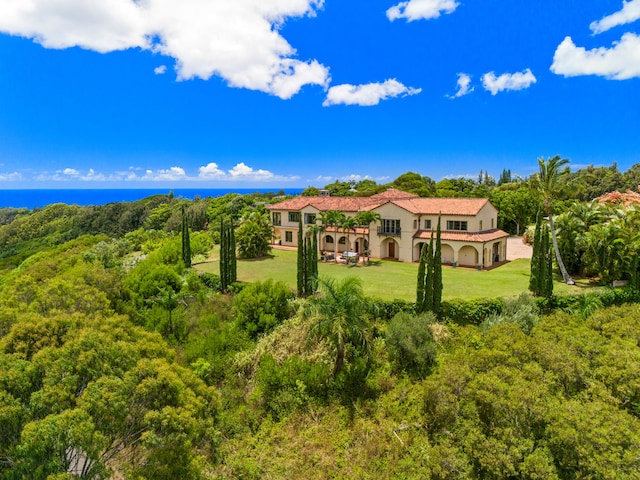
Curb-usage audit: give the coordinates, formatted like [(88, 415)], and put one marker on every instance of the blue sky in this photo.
[(291, 93)]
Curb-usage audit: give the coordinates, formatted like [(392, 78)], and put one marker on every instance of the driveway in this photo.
[(517, 249)]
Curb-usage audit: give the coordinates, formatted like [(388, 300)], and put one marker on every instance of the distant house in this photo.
[(469, 232)]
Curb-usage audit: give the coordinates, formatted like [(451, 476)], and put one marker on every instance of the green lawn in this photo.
[(396, 280)]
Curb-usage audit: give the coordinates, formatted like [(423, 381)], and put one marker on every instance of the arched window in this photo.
[(342, 240), (328, 239)]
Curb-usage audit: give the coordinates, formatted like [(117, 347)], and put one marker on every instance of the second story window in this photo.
[(294, 217), (457, 225), (427, 224), (480, 227), (276, 218), (309, 218), (389, 227)]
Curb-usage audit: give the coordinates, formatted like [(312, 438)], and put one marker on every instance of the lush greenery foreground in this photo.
[(120, 360)]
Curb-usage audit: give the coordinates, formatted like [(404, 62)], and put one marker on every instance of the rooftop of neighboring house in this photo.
[(408, 201)]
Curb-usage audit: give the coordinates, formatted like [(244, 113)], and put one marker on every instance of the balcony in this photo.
[(395, 232)]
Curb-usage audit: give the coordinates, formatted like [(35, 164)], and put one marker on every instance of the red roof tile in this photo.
[(444, 206), (473, 237), (410, 202)]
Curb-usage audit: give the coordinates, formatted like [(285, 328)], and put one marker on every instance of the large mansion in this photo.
[(469, 232)]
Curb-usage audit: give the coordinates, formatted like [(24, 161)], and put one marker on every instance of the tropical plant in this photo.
[(339, 316), (548, 182), (365, 218), (332, 218), (254, 234)]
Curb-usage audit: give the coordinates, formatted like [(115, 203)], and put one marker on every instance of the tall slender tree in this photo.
[(534, 277), (186, 241), (301, 277), (421, 274), (437, 271), (365, 219), (548, 182)]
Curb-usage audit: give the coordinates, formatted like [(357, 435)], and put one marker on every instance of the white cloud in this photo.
[(630, 13), (421, 9), (10, 177), (211, 170), (464, 86), (367, 95), (173, 174), (354, 177), (160, 70), (620, 62), (244, 172), (508, 81), (238, 40)]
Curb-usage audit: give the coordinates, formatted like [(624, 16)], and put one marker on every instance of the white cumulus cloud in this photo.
[(421, 9), (245, 172), (620, 62), (507, 81), (238, 40), (368, 94), (211, 170), (630, 13), (464, 86), (172, 174), (160, 70)]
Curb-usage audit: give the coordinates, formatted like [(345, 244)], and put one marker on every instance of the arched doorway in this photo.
[(390, 249), (417, 249), (468, 256), (447, 253)]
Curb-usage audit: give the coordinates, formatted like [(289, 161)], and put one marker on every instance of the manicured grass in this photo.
[(396, 280)]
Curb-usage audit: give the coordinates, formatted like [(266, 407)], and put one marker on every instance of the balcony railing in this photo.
[(277, 223), (396, 232)]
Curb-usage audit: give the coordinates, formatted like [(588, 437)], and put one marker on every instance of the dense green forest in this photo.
[(117, 360)]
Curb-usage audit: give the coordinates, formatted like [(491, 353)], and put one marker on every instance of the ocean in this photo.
[(41, 198)]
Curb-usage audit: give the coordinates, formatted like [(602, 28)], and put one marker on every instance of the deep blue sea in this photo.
[(40, 198)]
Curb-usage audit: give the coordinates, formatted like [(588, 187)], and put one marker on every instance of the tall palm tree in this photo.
[(366, 218), (349, 224), (339, 316), (548, 182), (332, 218)]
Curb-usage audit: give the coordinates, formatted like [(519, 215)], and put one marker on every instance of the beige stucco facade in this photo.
[(469, 235)]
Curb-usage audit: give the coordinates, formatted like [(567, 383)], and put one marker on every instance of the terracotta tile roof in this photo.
[(474, 237), (410, 202), (392, 194), (344, 204), (445, 206)]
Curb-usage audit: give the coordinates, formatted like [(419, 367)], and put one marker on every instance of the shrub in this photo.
[(522, 311), (261, 306), (410, 342), (471, 312)]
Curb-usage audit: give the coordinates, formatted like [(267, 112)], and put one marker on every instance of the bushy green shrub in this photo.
[(294, 384), (471, 312), (522, 311), (387, 309), (261, 306), (410, 342)]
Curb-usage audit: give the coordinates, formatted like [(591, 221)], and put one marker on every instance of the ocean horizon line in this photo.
[(32, 198)]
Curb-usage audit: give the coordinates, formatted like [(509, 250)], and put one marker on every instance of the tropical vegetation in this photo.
[(118, 360)]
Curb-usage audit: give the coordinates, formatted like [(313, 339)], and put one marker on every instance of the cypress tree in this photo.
[(437, 272), (421, 273), (546, 264), (314, 280), (427, 304), (301, 277), (534, 278), (233, 267), (309, 259), (224, 270), (186, 241)]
